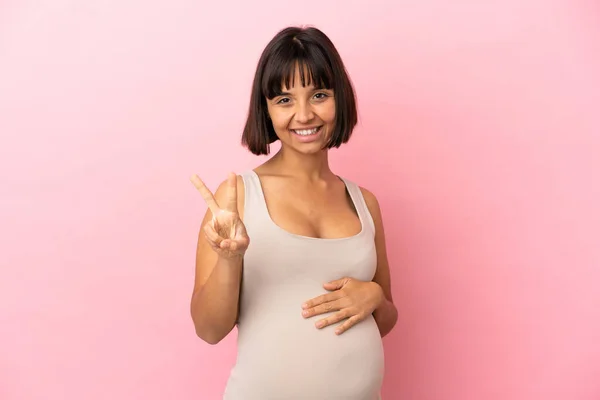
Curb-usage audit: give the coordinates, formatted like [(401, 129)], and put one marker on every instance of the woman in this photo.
[(291, 253)]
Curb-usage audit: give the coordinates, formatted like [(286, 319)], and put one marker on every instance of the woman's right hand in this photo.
[(226, 232)]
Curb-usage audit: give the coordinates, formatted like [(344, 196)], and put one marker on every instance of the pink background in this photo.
[(477, 134)]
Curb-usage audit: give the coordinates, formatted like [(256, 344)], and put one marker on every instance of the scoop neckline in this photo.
[(311, 238)]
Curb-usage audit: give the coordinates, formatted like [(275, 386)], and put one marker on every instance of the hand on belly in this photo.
[(349, 299)]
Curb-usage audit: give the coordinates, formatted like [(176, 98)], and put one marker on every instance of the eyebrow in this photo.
[(313, 90)]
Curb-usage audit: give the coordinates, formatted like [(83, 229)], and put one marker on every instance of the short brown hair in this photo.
[(313, 50)]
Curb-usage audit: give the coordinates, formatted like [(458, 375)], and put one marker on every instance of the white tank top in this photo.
[(282, 355)]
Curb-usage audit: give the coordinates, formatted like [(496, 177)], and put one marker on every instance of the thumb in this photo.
[(335, 285)]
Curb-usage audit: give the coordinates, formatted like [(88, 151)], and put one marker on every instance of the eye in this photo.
[(321, 96), (284, 100)]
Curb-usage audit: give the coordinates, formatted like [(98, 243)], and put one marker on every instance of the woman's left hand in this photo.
[(353, 300)]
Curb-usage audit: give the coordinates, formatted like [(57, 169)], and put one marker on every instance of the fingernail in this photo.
[(320, 324), (304, 305), (305, 313), (338, 331)]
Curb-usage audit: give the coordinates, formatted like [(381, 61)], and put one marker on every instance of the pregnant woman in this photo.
[(290, 252)]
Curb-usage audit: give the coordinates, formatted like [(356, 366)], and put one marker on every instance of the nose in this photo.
[(304, 113)]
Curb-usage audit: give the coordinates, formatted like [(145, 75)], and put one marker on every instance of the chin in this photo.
[(308, 148), (304, 148), (314, 151)]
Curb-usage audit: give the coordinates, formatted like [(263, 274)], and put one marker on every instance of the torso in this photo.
[(298, 241), (323, 210)]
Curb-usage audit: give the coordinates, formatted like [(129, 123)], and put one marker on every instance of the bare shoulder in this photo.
[(382, 274), (372, 204)]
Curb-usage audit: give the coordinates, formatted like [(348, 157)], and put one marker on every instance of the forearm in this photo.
[(385, 316), (214, 307)]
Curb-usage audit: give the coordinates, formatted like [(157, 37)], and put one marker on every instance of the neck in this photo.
[(308, 167)]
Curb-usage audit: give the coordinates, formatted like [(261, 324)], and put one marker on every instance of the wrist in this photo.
[(381, 300), (231, 261)]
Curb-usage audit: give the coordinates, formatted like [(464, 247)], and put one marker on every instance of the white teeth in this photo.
[(306, 132)]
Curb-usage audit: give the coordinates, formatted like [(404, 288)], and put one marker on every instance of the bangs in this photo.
[(299, 54), (280, 70)]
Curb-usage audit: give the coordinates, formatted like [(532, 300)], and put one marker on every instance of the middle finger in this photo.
[(332, 319), (321, 309)]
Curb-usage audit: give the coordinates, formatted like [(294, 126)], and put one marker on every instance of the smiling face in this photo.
[(303, 117), (298, 74)]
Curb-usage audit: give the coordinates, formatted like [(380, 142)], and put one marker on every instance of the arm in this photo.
[(215, 298), (386, 314)]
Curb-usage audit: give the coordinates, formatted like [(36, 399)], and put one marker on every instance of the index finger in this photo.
[(206, 194)]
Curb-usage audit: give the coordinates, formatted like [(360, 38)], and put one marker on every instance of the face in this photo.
[(303, 117)]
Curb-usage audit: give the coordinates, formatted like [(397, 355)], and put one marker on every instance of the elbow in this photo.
[(208, 329), (386, 318), (208, 338), (209, 335)]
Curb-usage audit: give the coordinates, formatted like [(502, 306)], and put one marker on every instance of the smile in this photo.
[(306, 132)]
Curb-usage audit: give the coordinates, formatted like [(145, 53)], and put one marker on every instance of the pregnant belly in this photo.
[(282, 355)]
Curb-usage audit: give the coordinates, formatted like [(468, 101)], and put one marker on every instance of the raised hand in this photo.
[(226, 232)]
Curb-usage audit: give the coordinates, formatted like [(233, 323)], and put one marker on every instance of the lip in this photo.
[(305, 128), (310, 138)]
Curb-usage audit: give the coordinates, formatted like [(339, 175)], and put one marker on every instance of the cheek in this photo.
[(328, 114), (280, 122), (331, 117), (277, 118)]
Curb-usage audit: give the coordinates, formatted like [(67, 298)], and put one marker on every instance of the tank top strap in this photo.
[(360, 204), (254, 201), (255, 206)]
